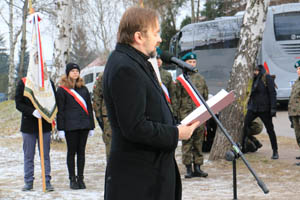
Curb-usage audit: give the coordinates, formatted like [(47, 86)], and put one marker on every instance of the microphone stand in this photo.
[(235, 149)]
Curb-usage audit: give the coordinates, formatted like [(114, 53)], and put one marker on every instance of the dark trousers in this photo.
[(267, 120), (76, 142), (29, 145)]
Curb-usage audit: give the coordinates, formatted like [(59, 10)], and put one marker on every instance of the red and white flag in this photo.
[(189, 90)]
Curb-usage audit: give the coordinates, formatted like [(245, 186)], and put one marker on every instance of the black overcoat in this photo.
[(29, 123), (142, 164), (71, 116)]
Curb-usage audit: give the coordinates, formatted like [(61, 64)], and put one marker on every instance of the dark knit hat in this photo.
[(297, 64), (189, 56), (71, 66)]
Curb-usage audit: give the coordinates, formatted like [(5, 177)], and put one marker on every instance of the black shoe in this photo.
[(298, 164), (49, 187), (28, 186), (198, 172), (81, 183), (298, 157), (73, 183), (275, 155), (189, 172), (258, 144)]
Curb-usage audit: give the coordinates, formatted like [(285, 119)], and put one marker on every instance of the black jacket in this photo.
[(70, 115), (144, 135), (263, 94), (29, 123)]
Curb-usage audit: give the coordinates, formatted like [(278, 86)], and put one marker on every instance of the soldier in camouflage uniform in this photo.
[(167, 80), (101, 113), (294, 106), (192, 148)]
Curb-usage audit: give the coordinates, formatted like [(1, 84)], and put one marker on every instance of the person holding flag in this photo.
[(187, 101), (35, 99), (75, 121)]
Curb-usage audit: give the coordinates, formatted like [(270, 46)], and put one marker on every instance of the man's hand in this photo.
[(186, 131), (36, 114)]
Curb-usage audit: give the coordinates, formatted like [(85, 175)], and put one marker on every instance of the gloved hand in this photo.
[(36, 114), (273, 112), (61, 134), (91, 133)]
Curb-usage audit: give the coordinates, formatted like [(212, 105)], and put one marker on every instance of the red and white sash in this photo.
[(189, 90), (166, 92), (77, 98)]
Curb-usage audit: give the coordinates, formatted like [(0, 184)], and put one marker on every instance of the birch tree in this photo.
[(13, 36), (62, 43), (241, 75)]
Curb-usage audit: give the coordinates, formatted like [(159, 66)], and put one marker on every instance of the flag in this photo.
[(38, 86)]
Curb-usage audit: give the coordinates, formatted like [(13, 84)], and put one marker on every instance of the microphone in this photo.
[(169, 58)]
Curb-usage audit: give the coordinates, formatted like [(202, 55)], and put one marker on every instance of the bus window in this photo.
[(88, 78), (287, 26)]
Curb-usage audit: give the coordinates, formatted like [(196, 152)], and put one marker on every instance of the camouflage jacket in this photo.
[(166, 78), (185, 104), (294, 102), (98, 100)]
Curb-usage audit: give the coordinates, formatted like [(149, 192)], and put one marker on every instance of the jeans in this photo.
[(29, 143)]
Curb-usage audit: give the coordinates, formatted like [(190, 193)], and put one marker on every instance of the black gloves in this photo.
[(273, 112)]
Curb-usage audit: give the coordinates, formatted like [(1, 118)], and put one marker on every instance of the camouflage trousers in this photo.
[(296, 123), (192, 148), (106, 136)]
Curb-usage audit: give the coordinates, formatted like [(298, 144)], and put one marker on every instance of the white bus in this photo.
[(215, 43), (89, 75)]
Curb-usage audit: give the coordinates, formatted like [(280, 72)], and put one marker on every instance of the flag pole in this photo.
[(41, 142), (42, 153)]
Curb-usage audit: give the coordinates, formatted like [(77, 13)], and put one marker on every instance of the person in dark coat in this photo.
[(30, 134), (75, 121), (142, 163), (262, 104)]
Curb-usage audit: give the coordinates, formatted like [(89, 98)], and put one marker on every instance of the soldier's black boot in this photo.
[(81, 183), (275, 155), (189, 171), (198, 172), (28, 186), (73, 183)]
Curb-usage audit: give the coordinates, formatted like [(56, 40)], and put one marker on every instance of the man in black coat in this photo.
[(262, 104), (30, 134), (141, 165)]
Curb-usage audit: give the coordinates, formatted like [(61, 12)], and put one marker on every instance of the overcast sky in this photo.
[(48, 33)]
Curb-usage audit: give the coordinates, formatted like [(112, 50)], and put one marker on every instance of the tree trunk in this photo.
[(23, 41), (12, 45), (241, 76), (62, 44), (193, 11), (198, 11)]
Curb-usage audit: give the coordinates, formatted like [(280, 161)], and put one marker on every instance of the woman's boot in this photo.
[(73, 183), (81, 183)]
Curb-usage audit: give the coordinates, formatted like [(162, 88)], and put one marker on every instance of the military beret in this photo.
[(297, 64), (189, 56)]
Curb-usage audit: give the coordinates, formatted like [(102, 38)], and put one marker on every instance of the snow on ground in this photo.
[(281, 176)]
